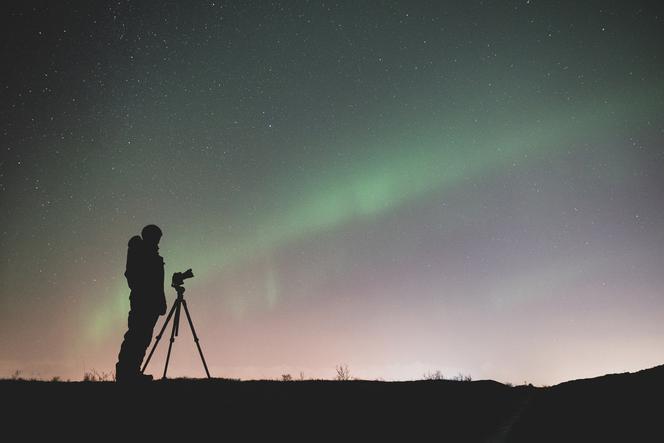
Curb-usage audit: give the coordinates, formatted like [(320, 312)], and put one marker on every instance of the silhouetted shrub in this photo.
[(438, 375), (94, 376), (343, 374), (462, 377)]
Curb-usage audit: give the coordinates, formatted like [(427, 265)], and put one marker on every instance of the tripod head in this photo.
[(178, 278)]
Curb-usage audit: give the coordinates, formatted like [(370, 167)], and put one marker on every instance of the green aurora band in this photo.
[(401, 169)]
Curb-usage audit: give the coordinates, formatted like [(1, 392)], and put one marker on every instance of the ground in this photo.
[(616, 407)]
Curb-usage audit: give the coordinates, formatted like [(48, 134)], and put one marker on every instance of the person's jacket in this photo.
[(145, 277)]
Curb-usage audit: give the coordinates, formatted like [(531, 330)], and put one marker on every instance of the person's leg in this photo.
[(149, 320), (141, 323), (126, 365)]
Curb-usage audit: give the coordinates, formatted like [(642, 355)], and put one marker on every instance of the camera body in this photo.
[(179, 277)]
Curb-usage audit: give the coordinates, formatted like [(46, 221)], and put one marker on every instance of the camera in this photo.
[(179, 277)]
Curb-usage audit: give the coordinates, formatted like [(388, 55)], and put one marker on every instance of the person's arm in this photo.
[(162, 296)]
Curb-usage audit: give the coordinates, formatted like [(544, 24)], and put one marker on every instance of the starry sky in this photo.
[(397, 186)]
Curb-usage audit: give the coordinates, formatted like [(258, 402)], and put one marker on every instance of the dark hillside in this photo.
[(455, 411), (618, 407)]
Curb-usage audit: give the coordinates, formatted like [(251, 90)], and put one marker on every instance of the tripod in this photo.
[(175, 309)]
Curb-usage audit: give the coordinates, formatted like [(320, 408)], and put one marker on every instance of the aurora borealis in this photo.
[(402, 187)]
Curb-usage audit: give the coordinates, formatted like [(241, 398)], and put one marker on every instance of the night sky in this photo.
[(401, 187)]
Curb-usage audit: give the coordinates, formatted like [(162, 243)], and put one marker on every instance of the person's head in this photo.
[(151, 235)]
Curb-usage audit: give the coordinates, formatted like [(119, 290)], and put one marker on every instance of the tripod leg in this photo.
[(177, 322), (193, 331), (175, 327), (161, 332)]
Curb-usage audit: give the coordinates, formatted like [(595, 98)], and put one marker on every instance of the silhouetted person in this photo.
[(145, 277)]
